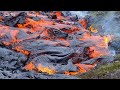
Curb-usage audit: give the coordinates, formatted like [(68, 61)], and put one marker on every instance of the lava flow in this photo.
[(54, 39)]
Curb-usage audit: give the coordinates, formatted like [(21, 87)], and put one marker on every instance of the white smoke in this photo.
[(110, 24), (80, 14), (112, 52), (107, 21)]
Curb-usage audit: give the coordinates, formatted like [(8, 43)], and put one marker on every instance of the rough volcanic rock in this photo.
[(6, 74), (115, 44), (10, 59), (13, 21)]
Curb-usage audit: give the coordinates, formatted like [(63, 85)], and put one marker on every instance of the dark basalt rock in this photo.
[(74, 18), (90, 61), (57, 33), (6, 74), (115, 44), (13, 21), (35, 18), (52, 16), (10, 59), (69, 67), (54, 54)]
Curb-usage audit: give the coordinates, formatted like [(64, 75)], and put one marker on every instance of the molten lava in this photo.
[(95, 53), (48, 70), (19, 49), (92, 29), (82, 69), (38, 30), (1, 18), (59, 15), (30, 66), (83, 22), (107, 39), (39, 68)]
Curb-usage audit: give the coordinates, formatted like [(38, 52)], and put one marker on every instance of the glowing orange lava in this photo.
[(84, 23), (6, 43), (82, 69), (1, 18), (59, 15), (19, 49), (48, 70), (92, 29), (95, 53), (107, 39), (30, 66), (34, 24)]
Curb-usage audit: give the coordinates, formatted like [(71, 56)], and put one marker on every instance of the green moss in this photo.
[(108, 68)]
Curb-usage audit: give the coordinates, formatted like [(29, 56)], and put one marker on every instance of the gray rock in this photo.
[(55, 76), (90, 61), (69, 67), (10, 58)]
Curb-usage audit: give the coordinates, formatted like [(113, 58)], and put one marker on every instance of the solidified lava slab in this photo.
[(47, 42)]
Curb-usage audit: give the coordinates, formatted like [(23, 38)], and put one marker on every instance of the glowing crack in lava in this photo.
[(45, 69), (39, 68)]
